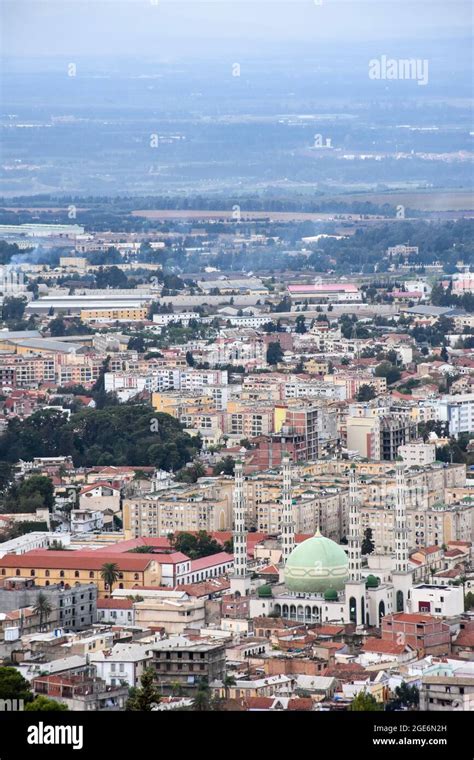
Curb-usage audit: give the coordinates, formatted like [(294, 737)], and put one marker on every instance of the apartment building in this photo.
[(73, 607), (188, 508), (179, 660), (458, 412)]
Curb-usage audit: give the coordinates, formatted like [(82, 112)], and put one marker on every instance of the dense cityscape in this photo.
[(236, 375)]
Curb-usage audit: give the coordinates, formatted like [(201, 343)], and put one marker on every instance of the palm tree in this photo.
[(42, 608), (202, 702), (110, 574), (202, 699), (229, 681)]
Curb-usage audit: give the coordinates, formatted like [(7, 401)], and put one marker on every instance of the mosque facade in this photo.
[(322, 581)]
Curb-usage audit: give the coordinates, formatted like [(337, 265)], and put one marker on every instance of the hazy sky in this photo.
[(181, 28)]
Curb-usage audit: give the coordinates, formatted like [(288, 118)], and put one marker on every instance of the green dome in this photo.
[(317, 565), (330, 595), (371, 581), (264, 591)]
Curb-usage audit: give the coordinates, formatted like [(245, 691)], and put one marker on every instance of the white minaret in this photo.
[(354, 591), (401, 532), (402, 575), (240, 579), (287, 522), (354, 533)]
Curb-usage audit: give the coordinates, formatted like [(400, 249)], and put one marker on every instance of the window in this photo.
[(47, 573), (76, 574), (32, 572), (91, 574), (61, 573)]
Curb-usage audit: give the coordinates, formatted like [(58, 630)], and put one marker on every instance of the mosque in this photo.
[(321, 582)]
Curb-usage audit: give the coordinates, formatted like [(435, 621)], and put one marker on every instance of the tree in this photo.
[(125, 434), (366, 393), (368, 545), (274, 353), (57, 328), (44, 704), (407, 696), (189, 359), (195, 545), (469, 601), (389, 371), (229, 681), (42, 608), (39, 484), (13, 685), (191, 474), (202, 701), (364, 702), (300, 325), (13, 308), (136, 343), (225, 466), (146, 696), (110, 574)]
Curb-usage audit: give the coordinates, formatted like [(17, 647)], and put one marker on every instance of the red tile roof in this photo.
[(465, 639), (114, 604), (411, 617), (301, 704), (382, 646), (270, 570), (211, 561), (98, 484), (75, 560)]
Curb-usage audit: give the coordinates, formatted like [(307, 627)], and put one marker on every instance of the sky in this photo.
[(186, 28)]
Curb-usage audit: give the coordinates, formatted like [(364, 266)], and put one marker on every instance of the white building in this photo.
[(34, 540), (86, 520), (417, 454), (439, 601), (124, 662), (458, 412)]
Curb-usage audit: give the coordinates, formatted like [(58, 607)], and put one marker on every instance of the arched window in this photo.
[(91, 574), (381, 610), (32, 572), (362, 610), (76, 574), (399, 601), (46, 583), (120, 585), (353, 609), (61, 573), (136, 577), (47, 573), (3, 571), (17, 572)]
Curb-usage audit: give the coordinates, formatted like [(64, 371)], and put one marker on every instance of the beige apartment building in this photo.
[(190, 508), (174, 615)]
